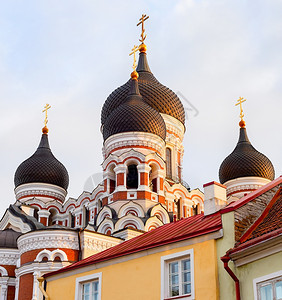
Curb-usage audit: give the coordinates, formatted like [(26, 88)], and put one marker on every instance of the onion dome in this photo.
[(8, 238), (158, 96), (245, 161), (42, 167), (134, 115)]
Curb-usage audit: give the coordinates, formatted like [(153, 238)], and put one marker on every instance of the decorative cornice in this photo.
[(48, 239), (40, 189), (131, 139), (97, 245), (9, 256)]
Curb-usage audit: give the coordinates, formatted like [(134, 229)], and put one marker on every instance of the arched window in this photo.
[(168, 163), (112, 179), (85, 215), (44, 259), (195, 209), (57, 259), (132, 177), (52, 216), (153, 179), (71, 220)]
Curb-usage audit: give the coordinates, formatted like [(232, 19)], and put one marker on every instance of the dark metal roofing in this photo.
[(8, 238), (134, 115), (43, 167), (169, 233), (158, 96), (245, 161)]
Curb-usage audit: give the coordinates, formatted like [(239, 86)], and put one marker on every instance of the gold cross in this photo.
[(134, 50), (240, 101), (46, 107), (142, 20)]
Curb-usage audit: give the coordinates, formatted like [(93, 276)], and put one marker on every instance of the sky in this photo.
[(73, 54)]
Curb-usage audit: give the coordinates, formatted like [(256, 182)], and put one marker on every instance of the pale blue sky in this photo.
[(73, 54)]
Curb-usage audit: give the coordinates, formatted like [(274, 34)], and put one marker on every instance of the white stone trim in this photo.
[(80, 280), (9, 256), (97, 242), (124, 221), (264, 278), (43, 189), (3, 272), (102, 214), (16, 223), (239, 186), (164, 272), (105, 224), (131, 139), (49, 239), (131, 206), (153, 221), (162, 211)]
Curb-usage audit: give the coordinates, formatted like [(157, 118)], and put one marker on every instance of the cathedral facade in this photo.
[(143, 126)]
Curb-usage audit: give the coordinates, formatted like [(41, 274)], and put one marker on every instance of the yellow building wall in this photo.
[(140, 278), (259, 268)]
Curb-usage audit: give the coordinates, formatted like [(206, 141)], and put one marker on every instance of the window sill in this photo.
[(188, 296)]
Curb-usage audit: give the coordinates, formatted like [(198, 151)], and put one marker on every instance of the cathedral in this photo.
[(143, 126)]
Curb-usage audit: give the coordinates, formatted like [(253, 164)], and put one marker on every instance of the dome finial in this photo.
[(143, 47), (45, 129), (134, 74), (242, 123)]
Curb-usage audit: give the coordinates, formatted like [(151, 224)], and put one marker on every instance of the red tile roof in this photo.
[(236, 204), (169, 233), (268, 225)]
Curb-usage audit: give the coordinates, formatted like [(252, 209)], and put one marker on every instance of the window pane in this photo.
[(266, 292), (174, 291), (86, 289), (174, 280), (186, 288), (278, 288), (186, 264), (186, 277), (173, 267), (95, 286)]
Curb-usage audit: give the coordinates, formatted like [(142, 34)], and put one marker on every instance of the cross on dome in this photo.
[(242, 123)]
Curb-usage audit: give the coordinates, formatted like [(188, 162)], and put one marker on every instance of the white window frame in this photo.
[(84, 279), (165, 260), (259, 280)]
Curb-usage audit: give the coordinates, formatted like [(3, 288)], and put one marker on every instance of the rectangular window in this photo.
[(90, 290), (268, 287), (88, 287), (177, 276)]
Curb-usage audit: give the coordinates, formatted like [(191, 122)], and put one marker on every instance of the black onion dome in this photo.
[(43, 167), (134, 115), (8, 238), (158, 96), (245, 161)]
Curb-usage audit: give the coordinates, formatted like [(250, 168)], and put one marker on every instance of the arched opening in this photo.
[(195, 209), (132, 177), (112, 179), (57, 259), (85, 216), (153, 179), (44, 259), (168, 163), (52, 216), (35, 213), (71, 220)]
